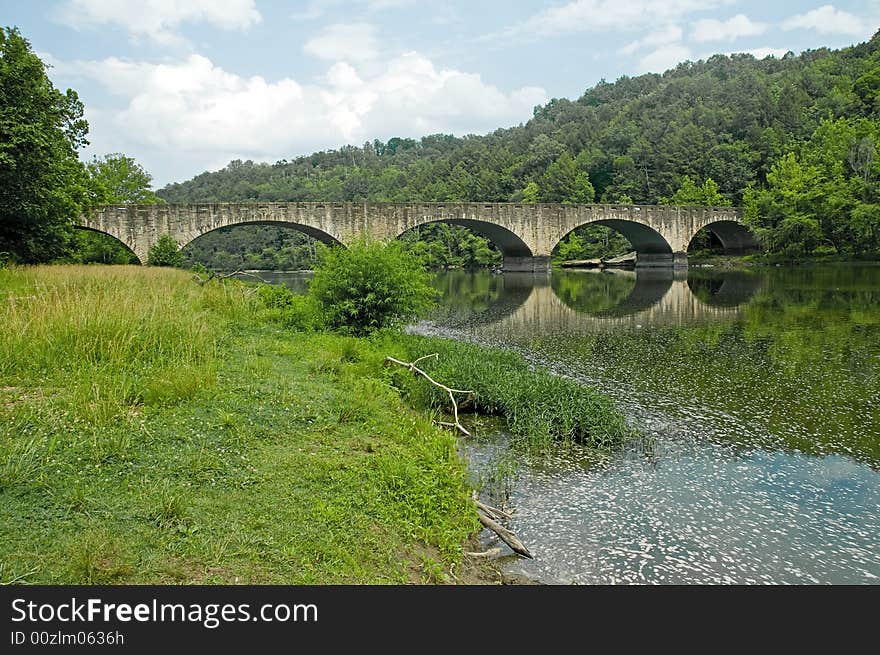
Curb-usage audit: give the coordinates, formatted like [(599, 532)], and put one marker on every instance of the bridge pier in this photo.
[(527, 264)]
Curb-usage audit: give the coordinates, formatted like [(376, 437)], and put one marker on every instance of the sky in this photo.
[(185, 86)]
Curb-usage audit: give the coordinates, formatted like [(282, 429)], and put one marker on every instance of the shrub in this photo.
[(370, 286), (292, 311), (165, 253)]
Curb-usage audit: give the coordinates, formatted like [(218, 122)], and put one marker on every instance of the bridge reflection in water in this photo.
[(590, 301)]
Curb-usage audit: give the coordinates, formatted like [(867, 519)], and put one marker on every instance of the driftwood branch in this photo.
[(417, 371), (493, 511), (506, 535), (198, 278), (492, 552)]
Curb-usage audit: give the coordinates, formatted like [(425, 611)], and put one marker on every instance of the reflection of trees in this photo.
[(476, 297), (592, 293), (801, 365)]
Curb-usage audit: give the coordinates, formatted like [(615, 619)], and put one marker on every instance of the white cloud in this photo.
[(828, 20), (344, 42), (629, 48), (710, 29), (664, 58), (669, 34), (158, 19), (381, 5), (319, 8), (195, 110), (599, 15), (761, 53)]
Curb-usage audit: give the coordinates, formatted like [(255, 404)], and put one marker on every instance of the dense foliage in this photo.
[(165, 253), (823, 194), (113, 178), (369, 286), (42, 182), (729, 118), (44, 187), (261, 247)]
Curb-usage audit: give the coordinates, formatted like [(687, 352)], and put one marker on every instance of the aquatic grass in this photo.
[(537, 405)]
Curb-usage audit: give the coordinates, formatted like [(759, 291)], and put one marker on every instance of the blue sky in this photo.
[(187, 85)]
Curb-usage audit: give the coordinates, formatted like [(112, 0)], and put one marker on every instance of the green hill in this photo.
[(729, 118)]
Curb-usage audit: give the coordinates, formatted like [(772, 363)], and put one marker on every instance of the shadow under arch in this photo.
[(735, 238), (509, 243), (112, 237), (607, 293), (723, 289), (645, 240)]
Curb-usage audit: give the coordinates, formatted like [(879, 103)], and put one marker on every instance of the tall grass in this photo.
[(155, 429), (97, 344)]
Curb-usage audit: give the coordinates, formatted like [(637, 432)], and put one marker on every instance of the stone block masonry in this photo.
[(526, 234)]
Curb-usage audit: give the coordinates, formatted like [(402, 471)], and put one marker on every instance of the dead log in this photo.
[(198, 278), (492, 552), (493, 511), (506, 535), (417, 371)]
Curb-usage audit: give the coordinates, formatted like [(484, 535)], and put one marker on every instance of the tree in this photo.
[(42, 182), (165, 253), (689, 194), (116, 178), (530, 193), (369, 286), (113, 179)]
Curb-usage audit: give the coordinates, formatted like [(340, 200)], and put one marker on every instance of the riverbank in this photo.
[(153, 430), (757, 260)]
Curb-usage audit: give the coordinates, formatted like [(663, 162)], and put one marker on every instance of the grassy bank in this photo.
[(155, 430), (762, 259)]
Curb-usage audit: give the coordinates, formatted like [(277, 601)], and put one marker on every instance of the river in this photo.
[(760, 388)]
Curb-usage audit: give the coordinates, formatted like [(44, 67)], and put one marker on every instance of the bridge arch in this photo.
[(735, 237), (309, 230), (650, 246), (138, 256), (509, 243), (732, 289)]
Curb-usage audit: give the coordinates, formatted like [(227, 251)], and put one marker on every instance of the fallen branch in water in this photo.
[(493, 511), (417, 371), (506, 535), (198, 278)]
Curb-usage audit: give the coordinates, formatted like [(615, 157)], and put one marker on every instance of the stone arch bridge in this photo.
[(526, 234)]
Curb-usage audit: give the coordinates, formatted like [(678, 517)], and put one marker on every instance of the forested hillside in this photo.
[(742, 122)]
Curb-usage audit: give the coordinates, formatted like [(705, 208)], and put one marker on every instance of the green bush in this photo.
[(165, 253), (275, 296), (370, 286)]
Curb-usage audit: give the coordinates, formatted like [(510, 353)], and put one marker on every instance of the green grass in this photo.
[(537, 406), (152, 430)]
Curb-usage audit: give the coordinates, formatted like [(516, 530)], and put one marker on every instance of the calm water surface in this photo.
[(761, 390)]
